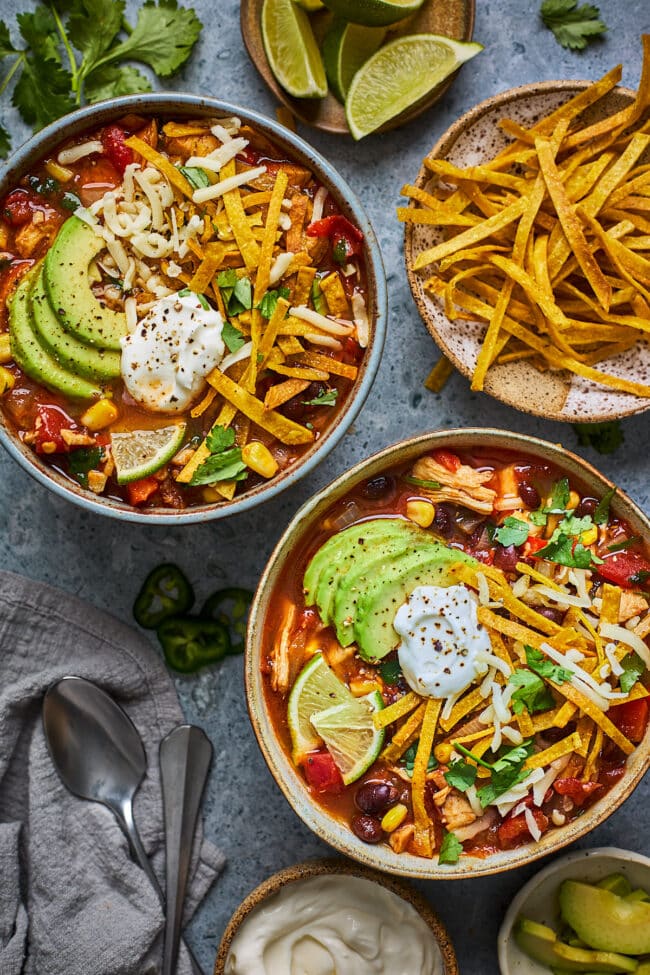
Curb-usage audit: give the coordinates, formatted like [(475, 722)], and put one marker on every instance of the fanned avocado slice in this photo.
[(32, 357), (376, 608), (540, 942), (88, 361), (604, 920), (68, 287), (337, 550)]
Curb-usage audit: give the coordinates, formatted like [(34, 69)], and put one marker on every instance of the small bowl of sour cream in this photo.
[(334, 917)]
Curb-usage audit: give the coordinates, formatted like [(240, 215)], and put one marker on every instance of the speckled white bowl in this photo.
[(537, 899), (476, 138)]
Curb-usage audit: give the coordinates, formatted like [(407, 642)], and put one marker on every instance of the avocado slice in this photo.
[(68, 287), (93, 363), (604, 920), (637, 895), (540, 942), (32, 357), (331, 557), (616, 883), (376, 608)]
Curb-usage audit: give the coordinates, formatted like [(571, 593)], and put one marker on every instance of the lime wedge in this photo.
[(292, 51), (310, 4), (400, 74), (350, 734), (317, 688), (345, 48), (373, 13), (140, 453)]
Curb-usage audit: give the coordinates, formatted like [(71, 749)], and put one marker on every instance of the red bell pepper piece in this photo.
[(322, 774), (631, 718), (447, 459), (117, 152), (9, 279), (515, 828), (140, 491), (18, 207), (576, 789), (626, 569), (50, 422), (343, 234)]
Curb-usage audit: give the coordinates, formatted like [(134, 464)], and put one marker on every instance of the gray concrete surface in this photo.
[(103, 561)]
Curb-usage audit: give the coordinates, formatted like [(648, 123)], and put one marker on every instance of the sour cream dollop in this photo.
[(166, 358), (441, 640), (334, 925)]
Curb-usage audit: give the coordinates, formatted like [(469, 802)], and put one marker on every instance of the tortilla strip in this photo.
[(587, 706), (302, 288), (280, 426), (282, 392), (403, 706), (212, 259), (162, 164), (408, 730), (588, 773), (325, 362), (335, 296), (205, 402), (238, 220), (270, 232), (422, 839), (564, 747), (439, 375), (470, 237), (461, 708)]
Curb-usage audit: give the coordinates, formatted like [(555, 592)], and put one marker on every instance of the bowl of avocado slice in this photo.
[(586, 912)]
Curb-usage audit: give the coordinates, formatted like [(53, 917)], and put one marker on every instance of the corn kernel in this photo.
[(5, 348), (421, 512), (57, 171), (360, 686), (590, 536), (7, 380), (394, 818), (574, 500), (443, 752), (49, 447), (259, 458), (101, 414)]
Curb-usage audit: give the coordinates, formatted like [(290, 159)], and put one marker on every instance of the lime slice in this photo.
[(373, 13), (310, 4), (292, 51), (350, 734), (140, 453), (317, 688), (400, 74), (345, 48)]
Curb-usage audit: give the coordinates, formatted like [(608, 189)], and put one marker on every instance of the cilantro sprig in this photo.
[(507, 771), (513, 531), (531, 694), (78, 50), (461, 775), (573, 26), (450, 849), (327, 398), (225, 461)]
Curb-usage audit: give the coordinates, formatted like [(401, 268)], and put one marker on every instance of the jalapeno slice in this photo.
[(230, 608), (165, 592), (190, 642)]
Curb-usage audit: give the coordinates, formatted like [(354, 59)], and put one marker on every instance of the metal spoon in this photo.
[(99, 756)]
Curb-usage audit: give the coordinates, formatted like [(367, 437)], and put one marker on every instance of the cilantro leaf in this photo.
[(603, 437), (195, 176), (6, 47), (540, 664), (220, 438), (326, 398), (112, 80), (450, 849), (537, 518), (564, 550), (601, 514), (531, 694), (461, 775), (409, 759), (163, 38), (83, 460), (390, 671), (232, 337), (225, 461), (5, 142), (574, 526), (39, 31), (269, 302), (626, 543), (512, 532), (92, 27), (633, 667), (507, 771), (559, 497), (572, 26), (227, 279), (42, 94)]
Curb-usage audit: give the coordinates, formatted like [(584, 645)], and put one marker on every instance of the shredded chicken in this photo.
[(465, 486), (473, 829), (632, 604), (457, 812), (33, 238), (400, 838), (281, 661)]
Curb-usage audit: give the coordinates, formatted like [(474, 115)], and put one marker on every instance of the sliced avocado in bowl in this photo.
[(616, 883), (540, 942), (604, 920), (33, 357), (67, 282), (87, 360)]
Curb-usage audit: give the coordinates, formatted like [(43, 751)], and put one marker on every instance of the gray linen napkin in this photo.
[(71, 899)]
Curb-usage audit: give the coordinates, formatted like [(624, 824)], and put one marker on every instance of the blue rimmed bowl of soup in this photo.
[(192, 308), (447, 660)]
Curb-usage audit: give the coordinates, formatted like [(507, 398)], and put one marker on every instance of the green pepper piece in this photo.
[(190, 642), (165, 592), (230, 607)]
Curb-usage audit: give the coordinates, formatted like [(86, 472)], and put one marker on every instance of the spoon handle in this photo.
[(185, 756)]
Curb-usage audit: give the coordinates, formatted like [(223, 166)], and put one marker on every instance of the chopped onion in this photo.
[(319, 203), (74, 153), (533, 828)]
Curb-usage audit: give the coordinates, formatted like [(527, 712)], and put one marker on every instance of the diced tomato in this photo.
[(9, 279), (50, 422), (249, 156), (119, 154), (533, 544), (447, 459), (339, 230), (626, 569), (322, 774), (576, 789), (631, 718), (18, 207), (515, 829), (140, 491)]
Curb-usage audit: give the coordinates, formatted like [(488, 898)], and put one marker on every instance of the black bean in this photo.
[(586, 507), (443, 521), (367, 828), (506, 557), (378, 488), (529, 495), (555, 615), (376, 797)]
